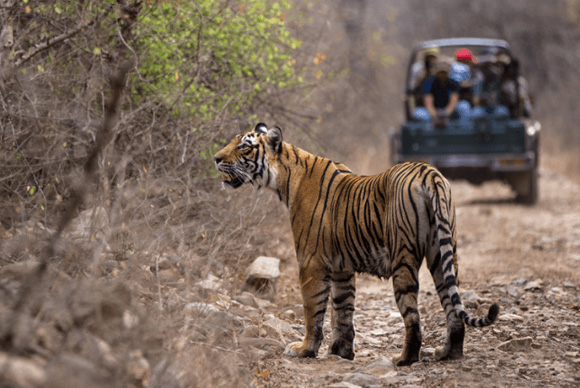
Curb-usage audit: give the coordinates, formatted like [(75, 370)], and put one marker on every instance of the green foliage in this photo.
[(208, 58)]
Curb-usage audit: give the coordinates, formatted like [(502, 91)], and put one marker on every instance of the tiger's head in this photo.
[(249, 158)]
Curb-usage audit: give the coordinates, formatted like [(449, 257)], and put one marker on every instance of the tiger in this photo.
[(343, 223)]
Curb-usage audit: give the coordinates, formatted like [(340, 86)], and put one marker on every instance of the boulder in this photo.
[(261, 277)]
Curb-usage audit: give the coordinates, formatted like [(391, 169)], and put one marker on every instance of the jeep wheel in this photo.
[(527, 187)]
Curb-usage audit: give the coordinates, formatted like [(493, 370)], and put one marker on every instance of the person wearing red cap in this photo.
[(470, 80)]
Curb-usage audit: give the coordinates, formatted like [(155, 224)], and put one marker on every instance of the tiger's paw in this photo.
[(404, 361), (297, 349), (342, 349), (446, 353)]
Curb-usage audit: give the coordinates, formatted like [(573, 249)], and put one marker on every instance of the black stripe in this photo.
[(341, 298), (411, 288), (409, 310), (320, 293), (455, 299), (345, 287), (445, 241), (449, 265), (347, 307), (337, 279), (316, 206), (329, 186), (435, 263), (450, 281)]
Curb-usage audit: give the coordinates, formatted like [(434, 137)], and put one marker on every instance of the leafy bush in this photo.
[(207, 58)]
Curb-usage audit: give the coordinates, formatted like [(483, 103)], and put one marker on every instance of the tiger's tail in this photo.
[(443, 208)]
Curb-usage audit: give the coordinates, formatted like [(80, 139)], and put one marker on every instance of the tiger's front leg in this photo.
[(343, 295), (315, 287)]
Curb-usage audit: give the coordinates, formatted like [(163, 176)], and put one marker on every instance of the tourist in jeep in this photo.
[(441, 96)]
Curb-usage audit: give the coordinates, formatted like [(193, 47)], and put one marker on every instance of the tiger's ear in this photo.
[(261, 128), (274, 140)]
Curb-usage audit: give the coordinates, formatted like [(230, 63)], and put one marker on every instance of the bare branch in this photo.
[(50, 42), (78, 196)]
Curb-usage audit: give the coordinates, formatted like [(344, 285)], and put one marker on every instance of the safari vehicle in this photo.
[(481, 148)]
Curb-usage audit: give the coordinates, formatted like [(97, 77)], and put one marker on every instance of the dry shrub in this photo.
[(103, 242)]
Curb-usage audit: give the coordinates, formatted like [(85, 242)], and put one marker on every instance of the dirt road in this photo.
[(525, 258)]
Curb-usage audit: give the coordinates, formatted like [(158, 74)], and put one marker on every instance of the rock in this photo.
[(247, 299), (299, 328), (516, 345), (70, 370), (221, 300), (224, 320), (265, 305), (262, 276), (520, 282), (568, 285), (470, 299), (395, 315), (556, 290), (138, 369), (251, 331), (344, 384), (289, 315), (511, 317), (378, 367), (534, 285), (382, 332), (427, 352), (547, 243), (278, 329), (514, 292), (211, 283), (201, 308), (20, 372), (248, 313), (362, 379), (262, 343), (130, 320), (19, 271)]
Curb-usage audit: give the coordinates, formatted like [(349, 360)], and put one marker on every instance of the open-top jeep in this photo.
[(497, 144)]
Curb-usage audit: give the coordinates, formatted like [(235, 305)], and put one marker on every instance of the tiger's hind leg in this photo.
[(406, 287), (343, 295), (453, 348)]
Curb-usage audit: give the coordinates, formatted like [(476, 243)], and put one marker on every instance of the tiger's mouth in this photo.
[(232, 180)]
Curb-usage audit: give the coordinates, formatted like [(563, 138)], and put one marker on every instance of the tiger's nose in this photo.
[(217, 159)]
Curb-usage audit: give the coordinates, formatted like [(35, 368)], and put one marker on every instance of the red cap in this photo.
[(465, 55)]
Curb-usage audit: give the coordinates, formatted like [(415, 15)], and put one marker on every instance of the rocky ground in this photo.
[(150, 320), (525, 258)]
